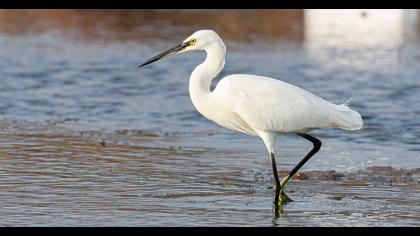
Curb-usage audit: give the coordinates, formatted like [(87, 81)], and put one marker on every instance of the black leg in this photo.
[(276, 178), (280, 185), (317, 145)]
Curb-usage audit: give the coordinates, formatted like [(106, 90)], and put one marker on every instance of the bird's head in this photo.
[(197, 41)]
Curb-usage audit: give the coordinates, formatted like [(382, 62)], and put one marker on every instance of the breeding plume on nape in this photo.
[(258, 105)]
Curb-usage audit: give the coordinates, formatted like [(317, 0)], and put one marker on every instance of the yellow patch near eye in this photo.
[(192, 42)]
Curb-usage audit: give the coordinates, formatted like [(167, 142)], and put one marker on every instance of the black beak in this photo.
[(170, 51)]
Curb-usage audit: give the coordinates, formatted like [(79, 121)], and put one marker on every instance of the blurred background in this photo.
[(70, 88)]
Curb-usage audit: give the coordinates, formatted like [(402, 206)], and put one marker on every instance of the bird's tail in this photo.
[(346, 118)]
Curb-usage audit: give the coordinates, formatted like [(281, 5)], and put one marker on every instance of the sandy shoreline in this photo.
[(50, 175)]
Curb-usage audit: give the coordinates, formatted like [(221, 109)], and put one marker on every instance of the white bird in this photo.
[(258, 105)]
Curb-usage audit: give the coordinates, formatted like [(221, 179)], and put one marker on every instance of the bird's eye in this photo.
[(193, 41)]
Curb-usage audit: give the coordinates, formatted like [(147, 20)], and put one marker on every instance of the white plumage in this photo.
[(267, 104), (257, 105)]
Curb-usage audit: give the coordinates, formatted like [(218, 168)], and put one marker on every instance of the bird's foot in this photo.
[(283, 182), (281, 198), (277, 210), (285, 198)]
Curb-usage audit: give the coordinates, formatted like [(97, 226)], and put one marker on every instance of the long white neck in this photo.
[(204, 73)]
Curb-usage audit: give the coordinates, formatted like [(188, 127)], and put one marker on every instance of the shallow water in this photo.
[(87, 138)]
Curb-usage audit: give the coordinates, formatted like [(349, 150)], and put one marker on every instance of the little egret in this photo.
[(258, 105)]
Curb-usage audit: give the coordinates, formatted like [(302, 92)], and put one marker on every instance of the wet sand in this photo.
[(52, 176)]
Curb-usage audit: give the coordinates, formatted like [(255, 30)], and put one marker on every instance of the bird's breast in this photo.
[(225, 118)]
